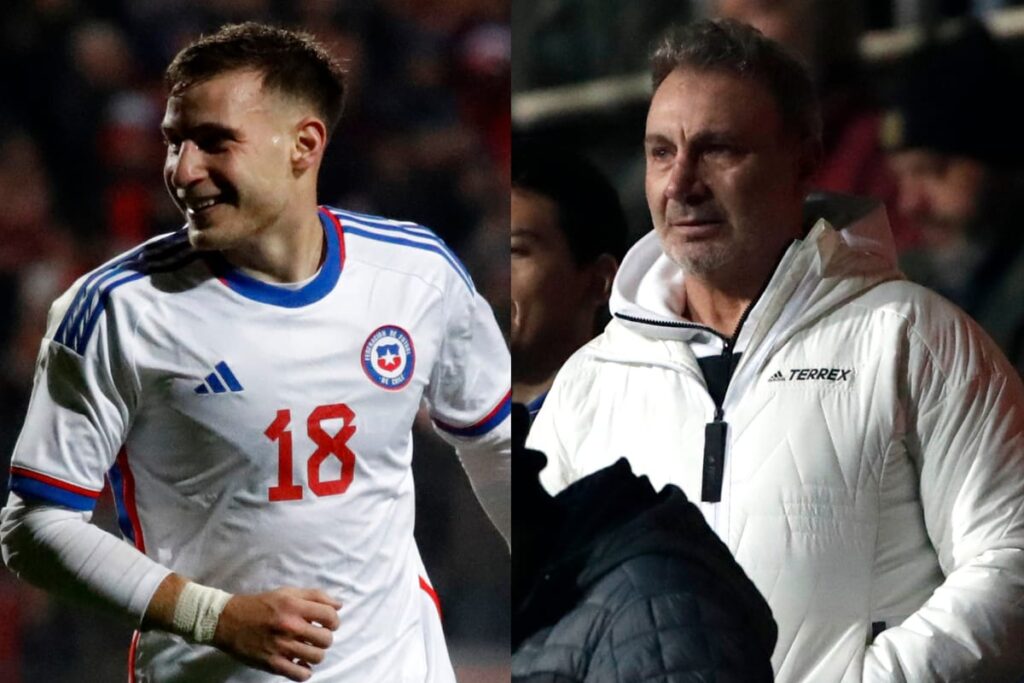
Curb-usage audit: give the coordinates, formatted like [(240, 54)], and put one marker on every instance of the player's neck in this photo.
[(283, 253)]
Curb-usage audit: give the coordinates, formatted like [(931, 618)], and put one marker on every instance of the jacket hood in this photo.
[(847, 249)]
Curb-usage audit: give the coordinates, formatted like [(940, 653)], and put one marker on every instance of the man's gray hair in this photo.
[(732, 47)]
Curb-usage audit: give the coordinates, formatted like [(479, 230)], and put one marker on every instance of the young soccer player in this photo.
[(248, 386)]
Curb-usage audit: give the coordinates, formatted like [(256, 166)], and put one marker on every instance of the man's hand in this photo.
[(284, 631)]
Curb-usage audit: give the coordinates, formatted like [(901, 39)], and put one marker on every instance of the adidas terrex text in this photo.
[(800, 374)]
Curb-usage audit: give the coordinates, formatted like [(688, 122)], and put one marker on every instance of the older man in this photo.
[(856, 441)]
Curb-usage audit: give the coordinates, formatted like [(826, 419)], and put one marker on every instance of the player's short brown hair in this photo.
[(736, 48), (291, 62)]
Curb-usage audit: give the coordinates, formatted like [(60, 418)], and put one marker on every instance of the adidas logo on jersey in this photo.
[(777, 377), (220, 381)]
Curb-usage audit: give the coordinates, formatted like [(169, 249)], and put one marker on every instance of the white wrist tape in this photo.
[(198, 610)]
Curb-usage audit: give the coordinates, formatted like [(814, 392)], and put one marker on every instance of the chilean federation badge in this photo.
[(389, 357)]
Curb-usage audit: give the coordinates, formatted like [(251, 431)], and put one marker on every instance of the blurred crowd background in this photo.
[(919, 103), (425, 137)]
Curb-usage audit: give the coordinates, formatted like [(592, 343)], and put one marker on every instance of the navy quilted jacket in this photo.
[(615, 583)]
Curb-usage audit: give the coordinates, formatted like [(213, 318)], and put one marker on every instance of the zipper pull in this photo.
[(714, 459)]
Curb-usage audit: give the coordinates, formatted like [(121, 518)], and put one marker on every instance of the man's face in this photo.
[(228, 158), (724, 182), (552, 298), (938, 193)]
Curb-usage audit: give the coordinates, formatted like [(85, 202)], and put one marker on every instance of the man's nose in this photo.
[(188, 166), (684, 180)]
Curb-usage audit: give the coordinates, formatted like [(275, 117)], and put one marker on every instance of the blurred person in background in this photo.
[(568, 235), (37, 262), (954, 143), (615, 582), (825, 35), (852, 438), (480, 68)]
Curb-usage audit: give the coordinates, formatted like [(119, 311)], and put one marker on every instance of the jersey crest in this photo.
[(389, 357)]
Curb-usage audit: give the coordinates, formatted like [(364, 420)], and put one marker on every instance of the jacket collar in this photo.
[(829, 266)]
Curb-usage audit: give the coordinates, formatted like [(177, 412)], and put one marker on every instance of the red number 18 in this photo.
[(326, 445)]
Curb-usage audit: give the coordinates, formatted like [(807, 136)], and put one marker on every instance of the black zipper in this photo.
[(670, 323), (715, 432)]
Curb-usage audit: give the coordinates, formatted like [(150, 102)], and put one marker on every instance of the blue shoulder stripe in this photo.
[(84, 293), (414, 230), (349, 230), (411, 229), (87, 307), (364, 226), (408, 227), (348, 213)]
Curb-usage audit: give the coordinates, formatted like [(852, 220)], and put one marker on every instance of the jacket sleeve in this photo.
[(965, 431), (564, 416), (678, 621)]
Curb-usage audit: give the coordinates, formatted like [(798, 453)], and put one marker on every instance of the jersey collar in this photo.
[(316, 289)]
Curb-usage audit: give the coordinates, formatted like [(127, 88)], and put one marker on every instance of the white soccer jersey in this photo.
[(258, 436)]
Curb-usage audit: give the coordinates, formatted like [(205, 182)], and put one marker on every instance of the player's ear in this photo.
[(310, 142), (602, 274)]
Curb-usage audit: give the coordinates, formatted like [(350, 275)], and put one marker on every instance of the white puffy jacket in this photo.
[(874, 467)]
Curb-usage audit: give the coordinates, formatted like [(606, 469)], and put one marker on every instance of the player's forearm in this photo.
[(160, 610), (59, 550), (488, 464), (282, 631)]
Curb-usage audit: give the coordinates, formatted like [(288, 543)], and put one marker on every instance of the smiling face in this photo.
[(229, 164), (724, 181)]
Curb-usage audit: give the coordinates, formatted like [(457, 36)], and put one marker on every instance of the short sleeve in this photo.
[(80, 407), (470, 385)]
